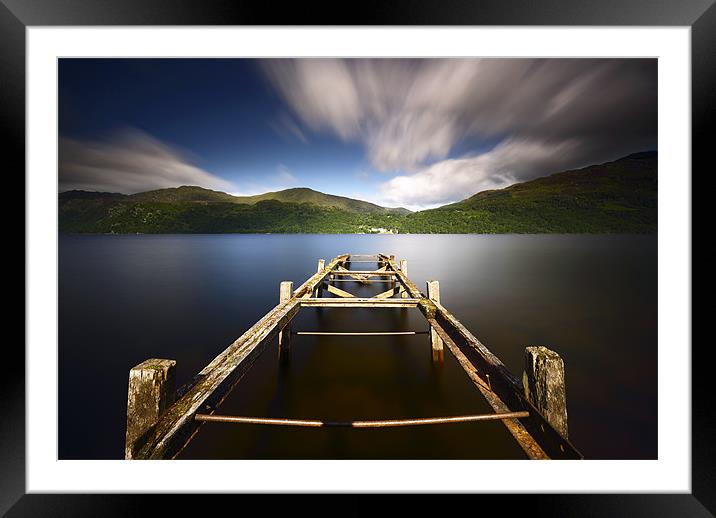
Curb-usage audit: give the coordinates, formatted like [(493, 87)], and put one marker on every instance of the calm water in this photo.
[(124, 299)]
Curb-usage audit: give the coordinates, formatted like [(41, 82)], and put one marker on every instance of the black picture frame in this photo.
[(17, 15)]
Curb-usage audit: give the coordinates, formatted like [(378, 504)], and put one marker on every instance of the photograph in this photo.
[(358, 258)]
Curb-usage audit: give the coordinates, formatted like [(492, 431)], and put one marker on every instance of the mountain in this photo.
[(191, 209), (305, 195), (614, 197), (184, 194), (298, 195)]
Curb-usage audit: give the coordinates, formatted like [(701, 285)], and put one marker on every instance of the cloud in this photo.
[(411, 115), (131, 161), (287, 128), (456, 179), (284, 177)]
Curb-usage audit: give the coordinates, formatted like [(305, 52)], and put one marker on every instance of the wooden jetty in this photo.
[(161, 420)]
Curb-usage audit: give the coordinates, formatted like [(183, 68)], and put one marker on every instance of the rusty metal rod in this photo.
[(368, 333), (359, 424)]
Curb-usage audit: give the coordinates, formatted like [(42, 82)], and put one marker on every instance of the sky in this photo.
[(414, 133)]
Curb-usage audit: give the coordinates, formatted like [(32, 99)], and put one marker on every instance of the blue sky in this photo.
[(413, 133)]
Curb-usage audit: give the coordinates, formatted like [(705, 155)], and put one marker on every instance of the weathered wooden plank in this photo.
[(355, 273), (502, 382), (390, 293), (409, 285), (177, 426), (366, 333), (339, 292), (367, 281), (151, 391), (357, 278), (357, 302), (317, 278), (528, 444)]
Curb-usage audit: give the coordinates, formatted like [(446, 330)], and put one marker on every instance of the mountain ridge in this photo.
[(614, 197), (197, 194)]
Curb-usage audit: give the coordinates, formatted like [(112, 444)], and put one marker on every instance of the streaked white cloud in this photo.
[(287, 128), (410, 115), (284, 177), (132, 161), (456, 179)]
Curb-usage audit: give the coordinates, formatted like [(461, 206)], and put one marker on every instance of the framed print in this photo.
[(501, 223)]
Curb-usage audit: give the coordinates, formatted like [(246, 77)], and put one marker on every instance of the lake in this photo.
[(592, 298)]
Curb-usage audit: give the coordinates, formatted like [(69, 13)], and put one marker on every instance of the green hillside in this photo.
[(616, 197), (298, 195), (304, 195)]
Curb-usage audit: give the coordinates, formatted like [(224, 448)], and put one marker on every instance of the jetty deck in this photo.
[(162, 420)]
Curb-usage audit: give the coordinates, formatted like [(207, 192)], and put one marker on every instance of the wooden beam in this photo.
[(366, 333), (310, 285), (358, 278), (409, 285), (500, 380), (390, 293), (367, 281), (177, 427), (518, 431), (369, 273), (339, 292), (362, 275), (359, 303)]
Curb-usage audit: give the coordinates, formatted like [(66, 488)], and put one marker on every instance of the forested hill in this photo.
[(296, 195), (616, 197)]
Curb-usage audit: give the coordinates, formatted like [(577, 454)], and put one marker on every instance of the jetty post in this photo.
[(436, 343), (319, 288), (152, 387), (284, 336), (543, 381), (404, 269)]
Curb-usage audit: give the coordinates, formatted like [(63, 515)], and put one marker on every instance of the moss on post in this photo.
[(284, 336), (151, 392), (436, 343), (544, 386)]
